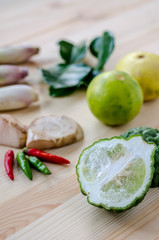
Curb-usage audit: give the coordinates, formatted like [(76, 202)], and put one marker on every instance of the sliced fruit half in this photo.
[(149, 135), (116, 173)]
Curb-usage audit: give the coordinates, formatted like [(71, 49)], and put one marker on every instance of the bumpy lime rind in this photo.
[(136, 200), (150, 135)]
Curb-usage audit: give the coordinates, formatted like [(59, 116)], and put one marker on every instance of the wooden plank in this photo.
[(41, 195), (34, 203), (51, 206), (41, 19), (66, 222)]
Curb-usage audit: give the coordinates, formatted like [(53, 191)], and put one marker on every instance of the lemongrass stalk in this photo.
[(10, 74), (16, 97), (17, 54)]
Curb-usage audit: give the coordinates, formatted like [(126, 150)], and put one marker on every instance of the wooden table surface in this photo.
[(52, 207)]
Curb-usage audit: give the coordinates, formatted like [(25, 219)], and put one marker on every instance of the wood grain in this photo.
[(75, 219), (52, 207)]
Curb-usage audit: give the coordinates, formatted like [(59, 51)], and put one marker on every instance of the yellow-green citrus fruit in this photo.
[(114, 97), (144, 67)]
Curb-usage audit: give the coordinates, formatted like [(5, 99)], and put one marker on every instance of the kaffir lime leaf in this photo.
[(116, 173)]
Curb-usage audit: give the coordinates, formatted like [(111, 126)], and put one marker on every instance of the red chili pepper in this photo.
[(44, 156), (8, 163)]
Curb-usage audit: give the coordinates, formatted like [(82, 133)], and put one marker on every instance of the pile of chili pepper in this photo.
[(31, 157)]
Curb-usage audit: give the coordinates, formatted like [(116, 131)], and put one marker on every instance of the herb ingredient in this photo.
[(24, 164), (11, 74), (13, 133), (44, 156), (72, 53), (8, 163), (17, 97), (17, 54), (53, 131), (38, 165), (64, 78), (102, 47)]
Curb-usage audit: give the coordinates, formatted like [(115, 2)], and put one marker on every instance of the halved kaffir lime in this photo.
[(116, 173), (150, 135)]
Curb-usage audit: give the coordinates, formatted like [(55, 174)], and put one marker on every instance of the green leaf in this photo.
[(63, 79), (95, 46), (58, 92), (102, 47), (93, 73), (65, 50), (72, 53)]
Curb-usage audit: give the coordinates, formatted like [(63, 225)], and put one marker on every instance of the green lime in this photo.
[(144, 67), (116, 173), (114, 97)]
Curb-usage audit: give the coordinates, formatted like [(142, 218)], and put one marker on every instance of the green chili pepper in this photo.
[(38, 165), (24, 164)]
